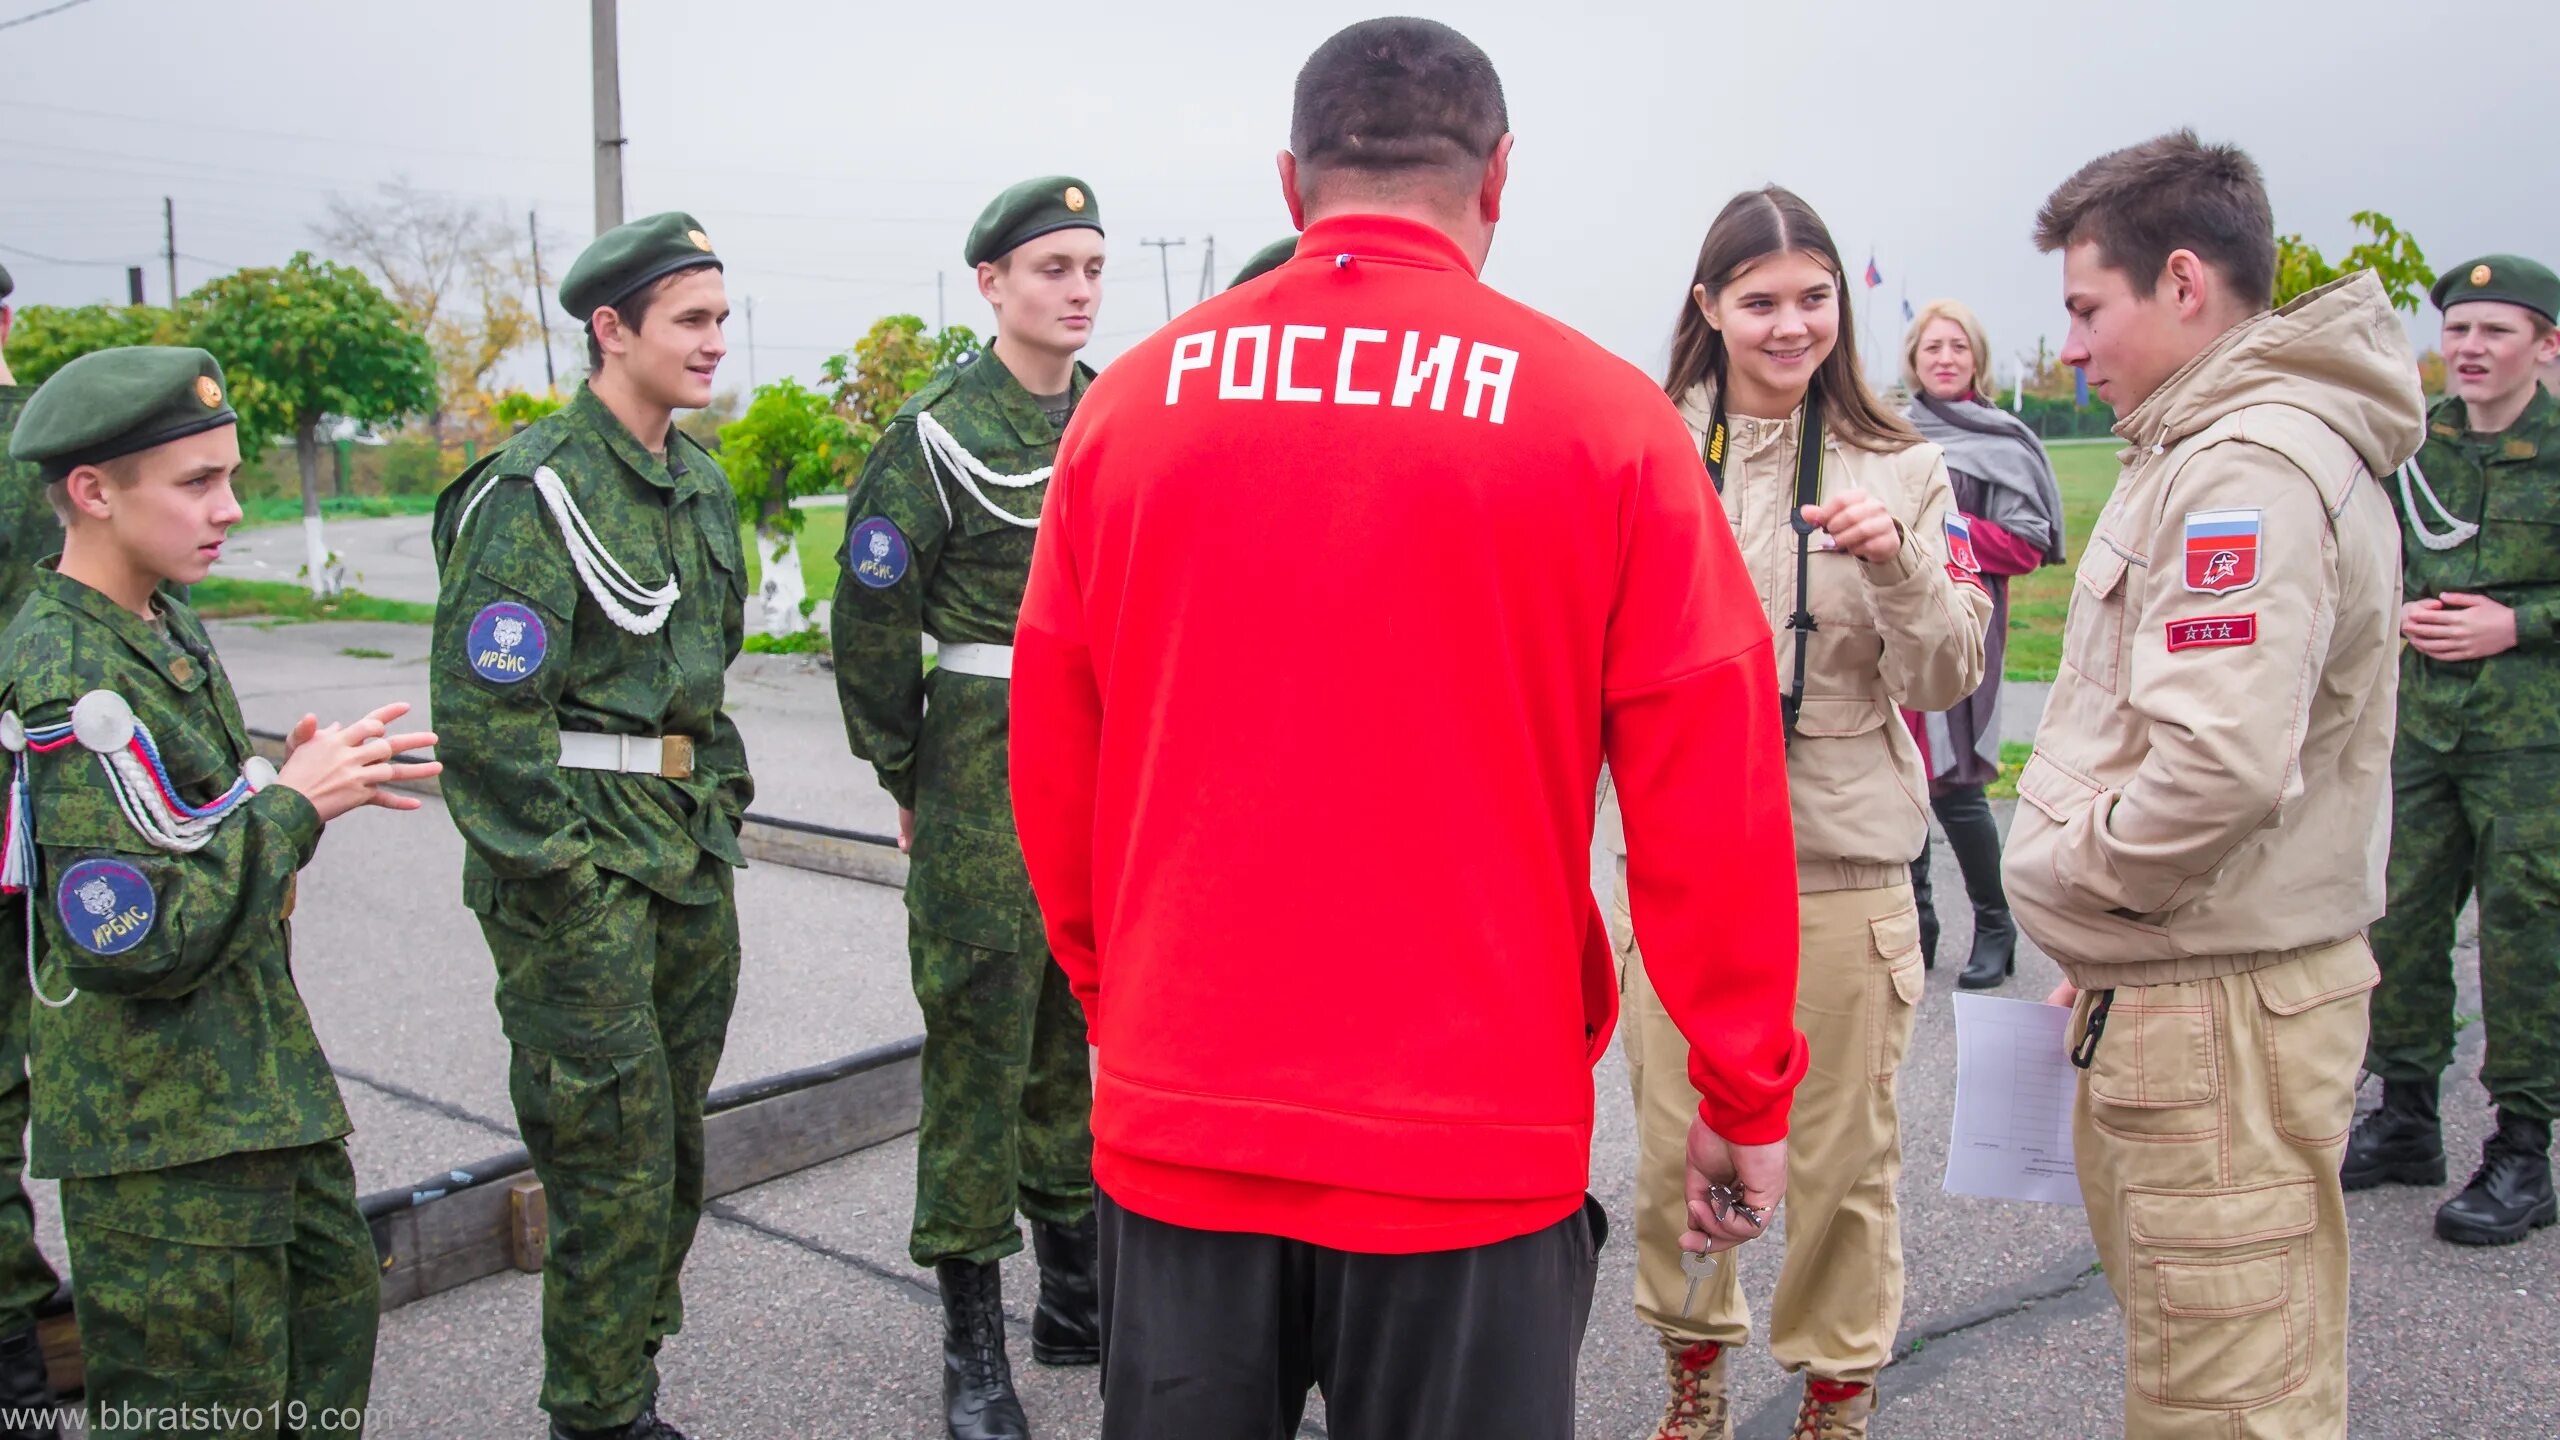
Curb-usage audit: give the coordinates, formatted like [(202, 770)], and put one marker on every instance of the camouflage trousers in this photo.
[(616, 1005), (26, 1280), (1008, 1096), (247, 1282), (2464, 823)]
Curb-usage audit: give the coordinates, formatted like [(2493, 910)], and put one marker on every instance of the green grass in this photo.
[(287, 509), (364, 652), (2013, 758), (220, 597), (821, 536), (2038, 600)]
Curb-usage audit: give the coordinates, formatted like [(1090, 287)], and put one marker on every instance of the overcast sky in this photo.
[(838, 152)]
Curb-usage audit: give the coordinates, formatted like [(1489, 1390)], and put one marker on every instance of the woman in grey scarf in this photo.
[(2005, 487)]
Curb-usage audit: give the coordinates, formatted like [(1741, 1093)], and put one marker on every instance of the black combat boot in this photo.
[(1925, 900), (25, 1388), (977, 1382), (2400, 1143), (2510, 1194), (645, 1426), (1067, 1328)]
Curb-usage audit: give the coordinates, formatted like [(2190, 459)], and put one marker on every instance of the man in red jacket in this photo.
[(1364, 538)]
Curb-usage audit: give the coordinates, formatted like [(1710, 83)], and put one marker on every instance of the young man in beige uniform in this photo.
[(2205, 819)]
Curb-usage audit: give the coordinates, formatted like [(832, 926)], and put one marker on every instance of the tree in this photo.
[(887, 366), (48, 337), (516, 409), (302, 344), (462, 276), (2392, 254), (790, 442)]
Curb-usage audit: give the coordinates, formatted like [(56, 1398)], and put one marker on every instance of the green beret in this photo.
[(7, 285), (1267, 259), (114, 402), (629, 256), (2511, 278), (1029, 210)]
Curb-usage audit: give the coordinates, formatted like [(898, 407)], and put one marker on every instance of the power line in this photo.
[(58, 260), (36, 15)]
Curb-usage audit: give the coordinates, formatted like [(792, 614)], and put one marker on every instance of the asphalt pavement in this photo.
[(805, 1318)]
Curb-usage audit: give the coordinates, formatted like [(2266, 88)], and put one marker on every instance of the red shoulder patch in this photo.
[(2213, 630)]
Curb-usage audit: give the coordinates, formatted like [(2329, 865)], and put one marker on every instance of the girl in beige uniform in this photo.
[(1763, 355)]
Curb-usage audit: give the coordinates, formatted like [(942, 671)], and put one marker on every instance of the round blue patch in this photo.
[(879, 553), (506, 643), (107, 906)]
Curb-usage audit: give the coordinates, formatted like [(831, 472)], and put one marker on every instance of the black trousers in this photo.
[(1208, 1335)]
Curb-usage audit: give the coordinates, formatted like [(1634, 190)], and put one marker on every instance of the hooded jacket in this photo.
[(2210, 787)]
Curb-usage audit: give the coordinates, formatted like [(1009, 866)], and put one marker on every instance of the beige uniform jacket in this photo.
[(2210, 787), (1906, 632)]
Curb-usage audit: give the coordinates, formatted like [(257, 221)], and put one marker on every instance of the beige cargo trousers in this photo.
[(1839, 1295), (2208, 1131)]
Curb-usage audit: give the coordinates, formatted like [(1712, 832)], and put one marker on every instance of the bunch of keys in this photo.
[(1725, 1201)]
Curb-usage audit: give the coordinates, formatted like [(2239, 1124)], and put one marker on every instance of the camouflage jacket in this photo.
[(522, 651), (28, 530), (188, 1039), (923, 557), (2508, 484)]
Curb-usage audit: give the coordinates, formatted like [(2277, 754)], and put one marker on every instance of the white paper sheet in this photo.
[(2014, 1083)]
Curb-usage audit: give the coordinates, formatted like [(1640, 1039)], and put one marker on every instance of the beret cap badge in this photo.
[(700, 241), (2479, 274), (208, 391), (1075, 199)]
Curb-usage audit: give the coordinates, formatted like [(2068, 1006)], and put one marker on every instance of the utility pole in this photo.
[(1209, 269), (169, 233), (938, 324), (541, 302), (751, 342), (1164, 259), (608, 86)]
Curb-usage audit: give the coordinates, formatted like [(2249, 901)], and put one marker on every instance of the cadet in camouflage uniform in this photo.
[(1267, 259), (180, 1093), (2476, 770), (29, 532), (940, 545), (579, 675)]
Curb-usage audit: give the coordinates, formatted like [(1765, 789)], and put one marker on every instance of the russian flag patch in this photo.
[(2222, 550), (1960, 541)]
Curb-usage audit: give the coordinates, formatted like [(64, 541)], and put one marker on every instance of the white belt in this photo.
[(670, 757), (993, 661)]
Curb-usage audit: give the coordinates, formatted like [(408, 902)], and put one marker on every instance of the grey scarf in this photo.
[(1996, 448)]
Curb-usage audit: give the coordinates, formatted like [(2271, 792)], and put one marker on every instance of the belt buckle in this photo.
[(675, 758)]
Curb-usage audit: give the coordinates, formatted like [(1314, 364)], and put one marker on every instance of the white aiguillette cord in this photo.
[(944, 452), (2457, 531), (613, 587), (103, 723)]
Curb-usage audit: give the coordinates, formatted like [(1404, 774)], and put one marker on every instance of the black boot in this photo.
[(2400, 1143), (977, 1382), (646, 1426), (1926, 902), (25, 1387), (1995, 950), (1965, 813), (1067, 1328), (2510, 1194)]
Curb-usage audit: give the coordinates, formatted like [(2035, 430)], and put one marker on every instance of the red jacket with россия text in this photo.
[(1346, 582)]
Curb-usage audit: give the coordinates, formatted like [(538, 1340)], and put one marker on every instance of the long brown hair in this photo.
[(1753, 226)]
